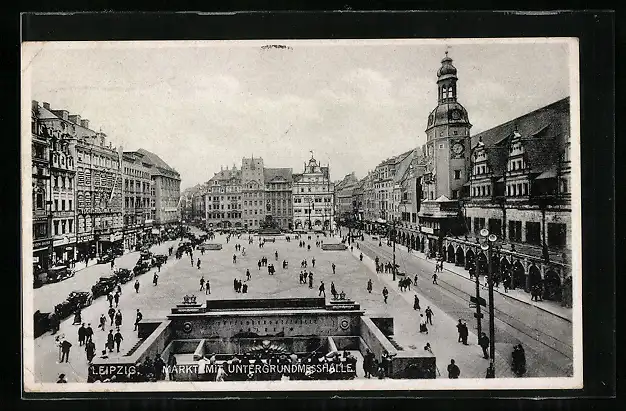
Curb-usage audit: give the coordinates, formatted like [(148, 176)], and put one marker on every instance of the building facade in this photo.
[(224, 200), (253, 193), (138, 213), (345, 207), (166, 186), (41, 189), (278, 195), (313, 195)]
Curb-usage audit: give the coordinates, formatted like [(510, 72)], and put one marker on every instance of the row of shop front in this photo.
[(49, 252), (524, 271)]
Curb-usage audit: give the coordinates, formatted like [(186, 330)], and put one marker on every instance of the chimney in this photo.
[(34, 105), (75, 118), (46, 105), (84, 123)]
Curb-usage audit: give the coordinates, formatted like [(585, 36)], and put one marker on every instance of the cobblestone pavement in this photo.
[(180, 277)]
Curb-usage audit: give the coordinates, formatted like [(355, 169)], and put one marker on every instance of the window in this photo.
[(533, 233), (56, 205), (56, 228), (441, 145), (63, 205), (457, 174), (557, 234), (39, 198), (495, 226), (479, 224), (515, 231), (69, 223)]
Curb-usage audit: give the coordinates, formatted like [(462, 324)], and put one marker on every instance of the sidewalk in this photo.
[(548, 306), (442, 335)]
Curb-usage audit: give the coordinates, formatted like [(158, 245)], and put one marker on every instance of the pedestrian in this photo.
[(453, 370), (116, 297), (111, 314), (119, 288), (322, 289), (369, 286), (81, 334), (155, 279), (118, 339), (313, 262), (110, 299), (423, 326), (361, 256), (259, 264), (90, 350), (112, 264), (416, 303), (198, 264), (464, 334), (103, 322), (234, 258), (415, 280), (136, 286), (202, 283), (244, 288), (207, 287), (158, 264), (333, 268), (308, 247), (429, 315), (333, 291), (435, 278), (77, 317), (248, 276), (276, 255), (138, 318), (368, 362), (310, 280), (459, 329), (118, 318), (483, 341), (385, 294), (65, 350)]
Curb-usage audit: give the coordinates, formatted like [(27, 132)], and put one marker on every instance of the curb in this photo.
[(507, 295)]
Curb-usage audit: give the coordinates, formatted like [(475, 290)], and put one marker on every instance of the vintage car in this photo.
[(80, 299), (59, 273), (41, 323), (104, 286), (160, 258), (64, 309), (145, 255), (117, 251), (106, 258), (123, 275), (141, 267)]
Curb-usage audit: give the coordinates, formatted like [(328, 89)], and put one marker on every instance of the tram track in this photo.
[(541, 337)]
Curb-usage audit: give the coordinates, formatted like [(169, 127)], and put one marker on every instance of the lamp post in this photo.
[(487, 244)]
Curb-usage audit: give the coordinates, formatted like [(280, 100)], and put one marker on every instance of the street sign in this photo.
[(478, 300), (472, 305), (478, 315)]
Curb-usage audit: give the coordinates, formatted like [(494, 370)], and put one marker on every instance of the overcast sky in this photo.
[(202, 106)]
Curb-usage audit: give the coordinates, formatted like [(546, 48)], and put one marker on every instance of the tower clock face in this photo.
[(456, 114), (457, 148)]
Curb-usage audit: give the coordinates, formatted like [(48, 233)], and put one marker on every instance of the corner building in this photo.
[(313, 193)]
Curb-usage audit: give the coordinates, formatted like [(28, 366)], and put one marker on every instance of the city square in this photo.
[(442, 249)]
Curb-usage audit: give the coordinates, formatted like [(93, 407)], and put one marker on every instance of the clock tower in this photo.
[(447, 139)]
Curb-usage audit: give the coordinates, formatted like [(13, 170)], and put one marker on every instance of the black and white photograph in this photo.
[(259, 215)]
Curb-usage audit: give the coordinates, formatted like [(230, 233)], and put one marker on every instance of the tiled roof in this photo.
[(544, 133), (272, 173), (156, 160)]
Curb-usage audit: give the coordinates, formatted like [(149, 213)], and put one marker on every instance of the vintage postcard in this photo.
[(301, 215)]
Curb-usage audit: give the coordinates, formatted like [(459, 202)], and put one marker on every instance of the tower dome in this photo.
[(447, 69)]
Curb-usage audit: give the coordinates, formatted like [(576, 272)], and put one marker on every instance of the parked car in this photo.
[(106, 258), (64, 309), (123, 275), (141, 267), (59, 273), (80, 299), (41, 323), (104, 286), (117, 251)]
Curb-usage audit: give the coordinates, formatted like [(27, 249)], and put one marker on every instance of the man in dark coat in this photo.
[(368, 363), (88, 333), (111, 314), (90, 350), (65, 350), (110, 341), (453, 370), (138, 319), (81, 334), (483, 341), (118, 339)]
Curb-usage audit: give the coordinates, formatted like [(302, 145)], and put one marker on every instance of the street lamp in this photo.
[(487, 244)]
